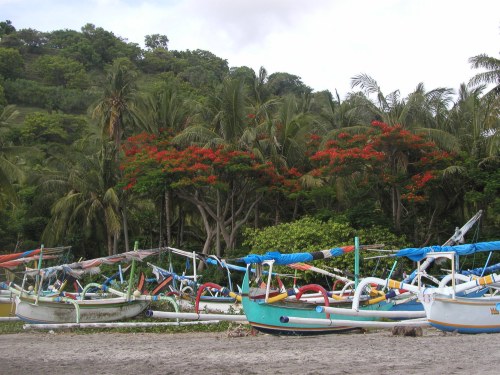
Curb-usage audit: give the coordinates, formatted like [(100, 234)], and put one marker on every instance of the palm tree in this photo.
[(118, 107), (490, 77), (222, 122), (471, 119), (90, 200), (167, 112), (421, 113), (9, 168)]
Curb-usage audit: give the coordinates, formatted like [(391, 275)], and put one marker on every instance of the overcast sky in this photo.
[(399, 43)]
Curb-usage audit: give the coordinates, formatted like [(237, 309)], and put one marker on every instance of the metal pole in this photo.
[(356, 261)]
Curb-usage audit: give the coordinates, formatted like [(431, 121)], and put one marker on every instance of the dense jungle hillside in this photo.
[(104, 143)]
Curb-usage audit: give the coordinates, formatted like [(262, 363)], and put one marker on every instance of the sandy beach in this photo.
[(374, 352)]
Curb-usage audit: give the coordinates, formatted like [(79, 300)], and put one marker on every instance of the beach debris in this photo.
[(407, 331), (239, 331)]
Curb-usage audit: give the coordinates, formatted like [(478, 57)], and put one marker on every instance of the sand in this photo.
[(374, 352)]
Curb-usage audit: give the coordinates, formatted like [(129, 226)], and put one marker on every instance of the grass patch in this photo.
[(223, 326)]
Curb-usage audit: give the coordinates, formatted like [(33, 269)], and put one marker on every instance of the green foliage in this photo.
[(11, 63), (156, 61), (484, 192), (202, 68), (33, 40), (304, 235), (94, 47), (31, 93), (309, 234), (282, 84), (155, 41), (3, 101), (61, 71), (6, 28), (48, 128)]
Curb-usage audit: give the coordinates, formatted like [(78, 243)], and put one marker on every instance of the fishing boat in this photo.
[(197, 296), (54, 306), (6, 304), (270, 314), (66, 310), (454, 308), (9, 263)]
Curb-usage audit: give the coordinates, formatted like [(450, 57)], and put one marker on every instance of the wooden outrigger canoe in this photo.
[(264, 313), (12, 261), (451, 308), (56, 307), (66, 310)]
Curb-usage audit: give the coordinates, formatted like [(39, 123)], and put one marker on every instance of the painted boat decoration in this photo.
[(454, 308), (264, 313), (62, 310), (11, 262), (192, 295), (463, 315), (55, 306)]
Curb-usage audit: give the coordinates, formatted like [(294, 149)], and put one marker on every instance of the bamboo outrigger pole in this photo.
[(132, 272)]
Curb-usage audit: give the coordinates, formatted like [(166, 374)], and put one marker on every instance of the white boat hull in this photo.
[(463, 315), (90, 311), (221, 306)]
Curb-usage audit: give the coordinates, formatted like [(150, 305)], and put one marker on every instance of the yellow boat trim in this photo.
[(463, 325), (462, 302)]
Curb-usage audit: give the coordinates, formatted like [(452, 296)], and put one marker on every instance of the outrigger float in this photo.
[(55, 306), (449, 308), (10, 262), (191, 294), (266, 313)]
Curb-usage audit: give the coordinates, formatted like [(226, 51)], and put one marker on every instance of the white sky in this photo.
[(399, 43)]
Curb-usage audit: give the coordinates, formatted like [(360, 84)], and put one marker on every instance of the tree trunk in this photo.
[(396, 208), (110, 244), (295, 208), (125, 229), (277, 212), (256, 217), (180, 229), (168, 215), (231, 245), (218, 250), (115, 244)]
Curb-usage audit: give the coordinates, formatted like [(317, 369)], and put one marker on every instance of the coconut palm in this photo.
[(117, 108), (421, 112), (90, 200), (9, 156), (490, 77), (221, 121)]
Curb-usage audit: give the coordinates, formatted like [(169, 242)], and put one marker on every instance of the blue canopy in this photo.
[(283, 259), (226, 265), (482, 270), (416, 254)]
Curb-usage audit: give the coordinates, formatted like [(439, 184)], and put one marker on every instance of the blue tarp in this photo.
[(226, 265), (482, 270), (283, 259), (416, 254), (278, 258)]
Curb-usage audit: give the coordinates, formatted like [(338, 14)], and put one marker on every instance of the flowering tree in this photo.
[(222, 183), (395, 159)]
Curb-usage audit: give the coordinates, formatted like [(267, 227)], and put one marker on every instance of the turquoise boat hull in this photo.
[(265, 317)]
